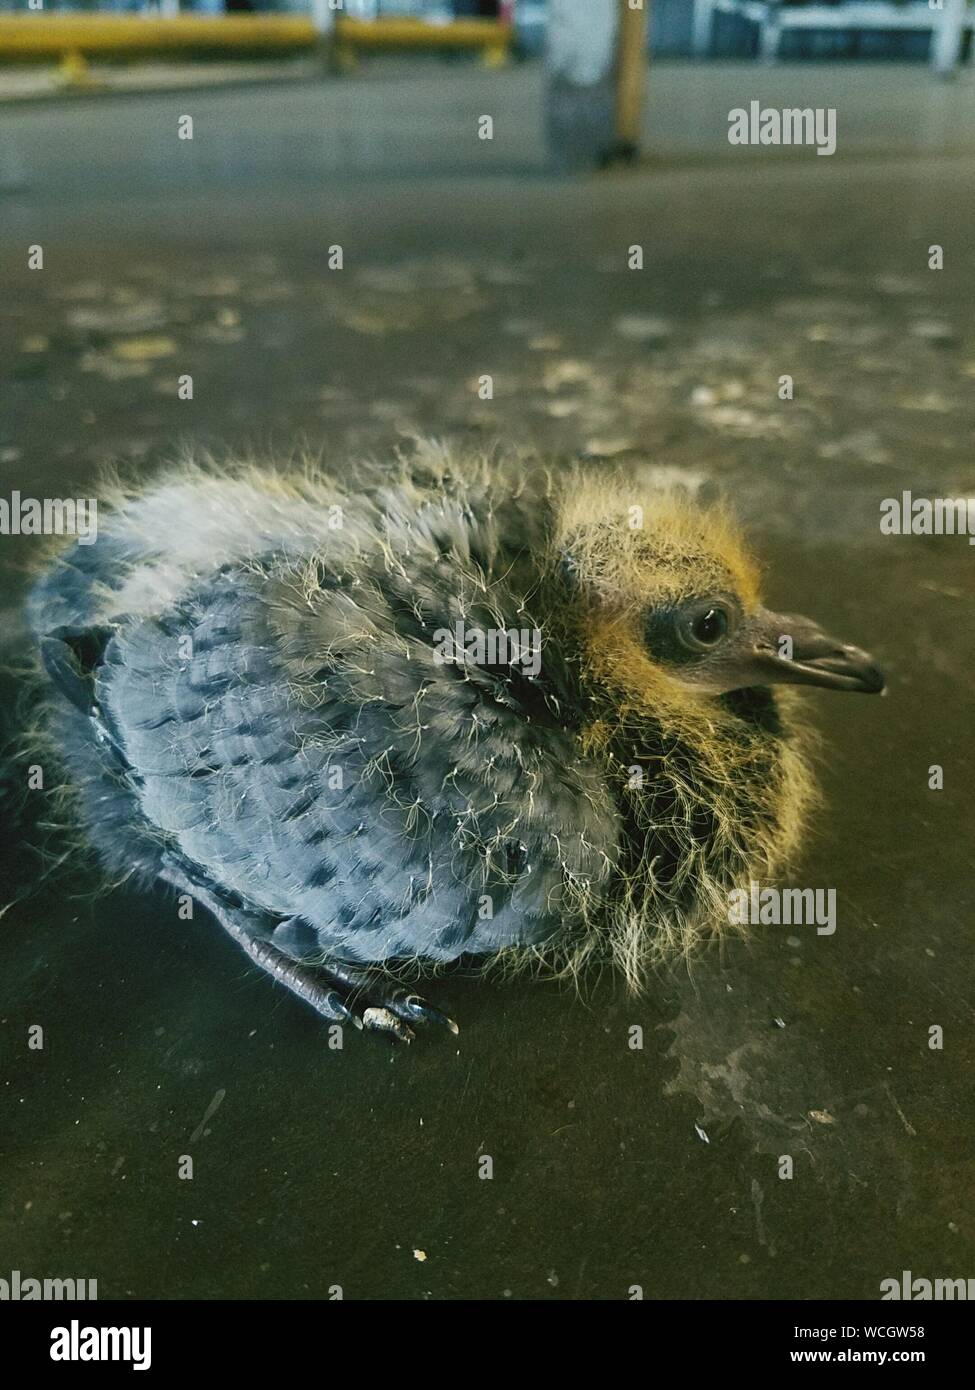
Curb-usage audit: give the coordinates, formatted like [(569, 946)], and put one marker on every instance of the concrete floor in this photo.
[(612, 1168)]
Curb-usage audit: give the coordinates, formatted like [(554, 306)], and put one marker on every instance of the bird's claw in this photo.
[(420, 1009), (335, 1001)]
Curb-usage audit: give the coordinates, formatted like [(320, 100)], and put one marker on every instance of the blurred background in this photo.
[(336, 257), (678, 28)]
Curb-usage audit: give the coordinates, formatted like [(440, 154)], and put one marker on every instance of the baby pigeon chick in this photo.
[(455, 707)]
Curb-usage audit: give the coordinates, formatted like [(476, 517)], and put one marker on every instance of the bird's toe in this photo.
[(383, 1006), (426, 1013)]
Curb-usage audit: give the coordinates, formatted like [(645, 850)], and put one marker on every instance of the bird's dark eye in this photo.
[(710, 627), (704, 627)]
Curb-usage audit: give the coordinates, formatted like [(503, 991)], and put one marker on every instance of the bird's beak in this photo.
[(790, 649)]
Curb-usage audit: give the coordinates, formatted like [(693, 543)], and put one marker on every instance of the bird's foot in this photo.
[(379, 1004), (338, 992)]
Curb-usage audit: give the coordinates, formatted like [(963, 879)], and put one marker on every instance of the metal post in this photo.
[(322, 16), (595, 73), (770, 34), (703, 27), (631, 76), (946, 38)]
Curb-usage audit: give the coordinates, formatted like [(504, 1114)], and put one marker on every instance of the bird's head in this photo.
[(669, 600), (677, 657)]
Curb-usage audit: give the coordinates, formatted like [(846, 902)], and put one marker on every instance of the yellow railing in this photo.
[(75, 37), (55, 35)]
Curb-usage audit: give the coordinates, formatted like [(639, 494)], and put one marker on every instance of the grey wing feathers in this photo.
[(379, 799)]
